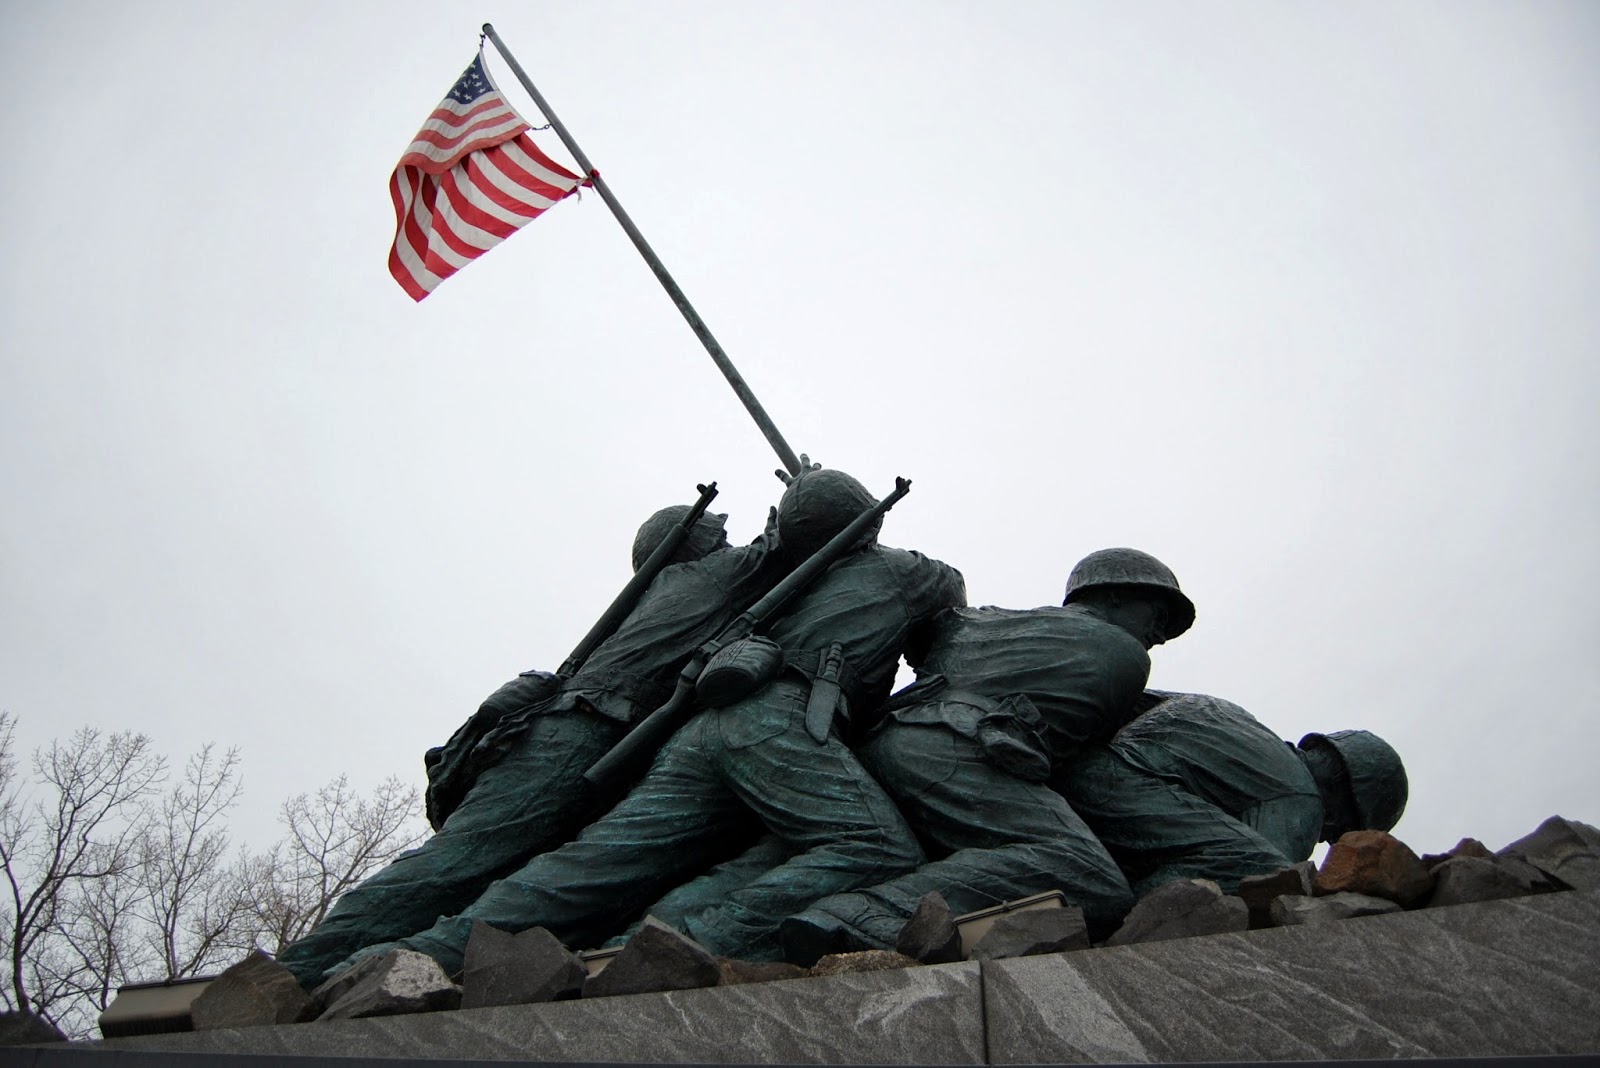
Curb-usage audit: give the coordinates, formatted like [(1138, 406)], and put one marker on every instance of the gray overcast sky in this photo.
[(1299, 297)]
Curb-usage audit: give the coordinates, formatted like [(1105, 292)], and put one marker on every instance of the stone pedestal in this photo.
[(1496, 978)]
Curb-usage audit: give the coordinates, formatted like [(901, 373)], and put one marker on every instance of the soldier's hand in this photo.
[(806, 467)]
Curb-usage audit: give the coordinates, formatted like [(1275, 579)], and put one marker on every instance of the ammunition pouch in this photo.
[(738, 670), (1008, 731)]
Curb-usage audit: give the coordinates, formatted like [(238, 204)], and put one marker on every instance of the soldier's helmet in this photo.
[(1377, 777), (816, 506), (706, 536), (1130, 567)]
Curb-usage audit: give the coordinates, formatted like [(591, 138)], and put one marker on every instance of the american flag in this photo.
[(470, 179)]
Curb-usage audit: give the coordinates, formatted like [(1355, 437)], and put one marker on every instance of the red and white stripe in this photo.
[(470, 179)]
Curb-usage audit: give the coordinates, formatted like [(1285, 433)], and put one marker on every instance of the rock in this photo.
[(930, 936), (397, 983), (657, 957), (256, 992), (334, 988), (1182, 909), (1376, 864), (1293, 911), (1467, 847), (1259, 891), (1463, 879), (1563, 849), (19, 1028), (518, 969), (739, 972), (867, 960), (1034, 931)]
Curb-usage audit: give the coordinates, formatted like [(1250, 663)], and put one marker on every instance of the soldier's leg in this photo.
[(819, 800), (1003, 838), (531, 801), (669, 827), (1158, 831), (711, 889)]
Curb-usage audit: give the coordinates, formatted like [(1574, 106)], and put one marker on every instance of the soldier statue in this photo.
[(1196, 787), (1003, 698), (773, 759), (509, 785)]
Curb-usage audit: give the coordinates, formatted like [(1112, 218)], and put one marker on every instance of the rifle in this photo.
[(624, 601), (453, 768), (618, 765)]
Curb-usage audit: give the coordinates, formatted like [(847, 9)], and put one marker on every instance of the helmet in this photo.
[(1377, 777), (706, 536), (1130, 567), (816, 506)]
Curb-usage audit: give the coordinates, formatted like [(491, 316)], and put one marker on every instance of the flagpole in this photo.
[(703, 332)]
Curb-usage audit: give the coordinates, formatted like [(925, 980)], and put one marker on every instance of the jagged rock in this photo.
[(657, 957), (1467, 847), (1463, 879), (518, 969), (930, 936), (1376, 864), (1182, 909), (1293, 911), (1259, 891), (867, 960), (18, 1028), (255, 992), (739, 972), (1033, 931), (334, 988), (1563, 849), (394, 984)]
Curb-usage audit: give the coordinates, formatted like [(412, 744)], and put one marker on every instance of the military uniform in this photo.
[(527, 793), (967, 752), (1196, 788), (762, 760)]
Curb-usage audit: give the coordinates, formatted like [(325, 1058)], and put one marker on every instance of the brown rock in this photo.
[(657, 957), (256, 992), (1182, 909), (1259, 891), (396, 984), (868, 960), (930, 936), (739, 972), (1376, 864)]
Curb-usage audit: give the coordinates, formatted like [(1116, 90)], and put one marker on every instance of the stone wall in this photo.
[(1512, 977)]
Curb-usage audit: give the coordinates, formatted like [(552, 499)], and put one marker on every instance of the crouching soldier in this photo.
[(1002, 698), (770, 760), (509, 785), (1196, 787)]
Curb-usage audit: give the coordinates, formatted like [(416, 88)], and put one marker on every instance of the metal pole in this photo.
[(703, 332)]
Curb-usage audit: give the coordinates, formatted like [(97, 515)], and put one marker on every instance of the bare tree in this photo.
[(192, 900), (81, 829), (335, 839), (109, 879)]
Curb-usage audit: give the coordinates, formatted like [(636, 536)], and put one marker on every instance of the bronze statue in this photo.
[(1195, 787), (514, 787), (1003, 697), (772, 759)]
